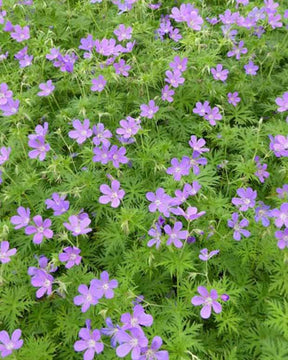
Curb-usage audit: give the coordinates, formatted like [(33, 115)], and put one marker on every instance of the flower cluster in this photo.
[(8, 105), (64, 62), (37, 142)]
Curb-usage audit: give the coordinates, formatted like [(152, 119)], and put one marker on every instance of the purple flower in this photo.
[(282, 192), (58, 204), (190, 214), (179, 168), (98, 83), (246, 200), (205, 255), (174, 78), (90, 343), (208, 300), (47, 88), (23, 219), (88, 45), (149, 110), (263, 214), (273, 20), (122, 68), (101, 135), (175, 235), (167, 94), (242, 2), (279, 145), (261, 173), (189, 14), (106, 47), (39, 131), (197, 145), (117, 156), (233, 98), (129, 127), (64, 62), (282, 102), (213, 115), (43, 264), (71, 256), (82, 131), (123, 33), (3, 56), (133, 342), (20, 55), (152, 352), (212, 21), (251, 68), (111, 331), (5, 253), (175, 35), (20, 34), (202, 109), (238, 227), (101, 155), (195, 161), (192, 190), (159, 201), (238, 50), (104, 287), (43, 280), (165, 26), (178, 64), (228, 17), (112, 194), (54, 53), (10, 108), (78, 225), (87, 297), (219, 73), (41, 229), (2, 16), (40, 147), (283, 238), (4, 154), (5, 94), (137, 319), (7, 345), (281, 215), (156, 236), (26, 61)]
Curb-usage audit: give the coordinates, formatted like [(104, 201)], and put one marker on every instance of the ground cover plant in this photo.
[(144, 179)]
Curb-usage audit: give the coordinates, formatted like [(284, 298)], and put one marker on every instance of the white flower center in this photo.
[(10, 346), (91, 343)]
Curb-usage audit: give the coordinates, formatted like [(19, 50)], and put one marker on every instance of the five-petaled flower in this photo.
[(7, 344), (112, 194), (208, 300), (41, 229), (104, 286)]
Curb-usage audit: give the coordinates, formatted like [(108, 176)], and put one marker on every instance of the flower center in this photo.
[(73, 257), (77, 229), (91, 343), (134, 342), (134, 322), (209, 301), (105, 286), (47, 283), (10, 345)]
